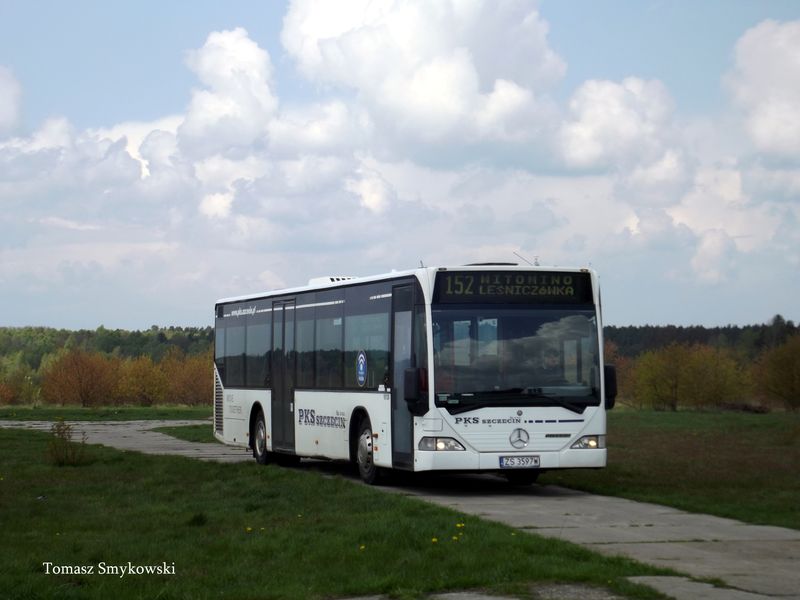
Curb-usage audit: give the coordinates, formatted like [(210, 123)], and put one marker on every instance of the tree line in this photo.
[(746, 341), (754, 367), (106, 367)]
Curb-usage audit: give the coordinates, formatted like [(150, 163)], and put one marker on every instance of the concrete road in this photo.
[(756, 562)]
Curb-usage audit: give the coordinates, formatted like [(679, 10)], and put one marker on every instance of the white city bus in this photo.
[(494, 368)]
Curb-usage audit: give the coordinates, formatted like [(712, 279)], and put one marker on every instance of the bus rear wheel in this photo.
[(259, 438), (367, 470)]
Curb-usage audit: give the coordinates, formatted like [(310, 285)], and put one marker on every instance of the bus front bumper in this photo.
[(490, 461)]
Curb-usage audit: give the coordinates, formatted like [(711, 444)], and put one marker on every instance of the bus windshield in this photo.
[(490, 355)]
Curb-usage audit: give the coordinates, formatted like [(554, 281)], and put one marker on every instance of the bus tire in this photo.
[(260, 439), (526, 477), (367, 470)]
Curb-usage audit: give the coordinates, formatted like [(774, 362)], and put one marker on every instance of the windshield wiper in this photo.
[(457, 409), (576, 408), (528, 393)]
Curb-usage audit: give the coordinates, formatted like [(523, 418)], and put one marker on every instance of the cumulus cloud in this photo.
[(717, 202), (613, 122), (401, 36), (136, 132), (430, 71), (661, 182), (216, 205), (372, 190), (56, 157), (510, 113), (219, 172), (237, 103), (715, 256), (776, 183), (765, 83), (53, 134), (319, 128), (10, 100)]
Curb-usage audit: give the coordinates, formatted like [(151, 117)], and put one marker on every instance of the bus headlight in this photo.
[(590, 442), (439, 443)]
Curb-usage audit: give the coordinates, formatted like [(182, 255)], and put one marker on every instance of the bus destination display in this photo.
[(532, 287)]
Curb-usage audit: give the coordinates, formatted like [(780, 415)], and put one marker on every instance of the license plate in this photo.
[(518, 462)]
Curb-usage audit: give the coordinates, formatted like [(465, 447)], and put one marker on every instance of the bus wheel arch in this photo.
[(367, 470), (358, 415)]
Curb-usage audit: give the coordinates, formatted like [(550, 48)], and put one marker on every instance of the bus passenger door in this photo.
[(402, 421), (283, 373)]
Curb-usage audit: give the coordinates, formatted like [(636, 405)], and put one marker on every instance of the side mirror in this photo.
[(414, 390), (610, 377)]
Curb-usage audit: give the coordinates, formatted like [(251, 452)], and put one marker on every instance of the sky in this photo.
[(155, 157)]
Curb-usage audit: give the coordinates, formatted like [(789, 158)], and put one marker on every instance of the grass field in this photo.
[(104, 413), (244, 531), (737, 465)]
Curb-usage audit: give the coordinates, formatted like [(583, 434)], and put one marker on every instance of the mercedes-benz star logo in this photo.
[(519, 438)]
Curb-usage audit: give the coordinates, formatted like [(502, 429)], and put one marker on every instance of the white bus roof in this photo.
[(334, 281)]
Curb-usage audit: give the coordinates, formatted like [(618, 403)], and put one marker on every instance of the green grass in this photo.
[(103, 413), (190, 433), (737, 465), (244, 531)]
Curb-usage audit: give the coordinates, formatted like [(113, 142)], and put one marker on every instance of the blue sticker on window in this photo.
[(361, 368)]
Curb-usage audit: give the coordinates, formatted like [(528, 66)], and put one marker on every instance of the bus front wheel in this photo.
[(364, 458)]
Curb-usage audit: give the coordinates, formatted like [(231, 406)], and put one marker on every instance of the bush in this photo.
[(80, 377), (658, 377), (142, 382), (190, 378), (714, 379), (777, 373), (17, 381), (62, 451), (696, 376)]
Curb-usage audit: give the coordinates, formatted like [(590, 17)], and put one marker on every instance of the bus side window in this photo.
[(235, 354), (305, 348), (329, 339), (258, 345)]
